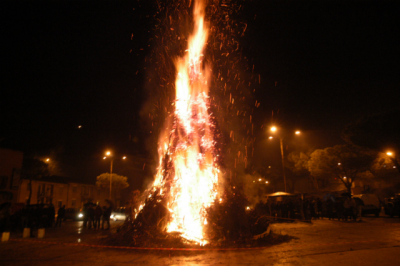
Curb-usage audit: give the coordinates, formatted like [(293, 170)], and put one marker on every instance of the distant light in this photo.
[(269, 166), (259, 179), (254, 181), (248, 208), (273, 129), (394, 166), (389, 153), (266, 182), (270, 137), (79, 126), (104, 157), (297, 132), (123, 158), (47, 159), (108, 153), (344, 177), (339, 164)]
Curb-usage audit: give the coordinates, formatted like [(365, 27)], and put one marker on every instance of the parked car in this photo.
[(392, 206), (73, 214), (371, 204), (41, 212), (119, 214)]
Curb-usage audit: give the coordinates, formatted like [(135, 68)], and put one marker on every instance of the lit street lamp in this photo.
[(394, 158), (274, 129), (108, 153)]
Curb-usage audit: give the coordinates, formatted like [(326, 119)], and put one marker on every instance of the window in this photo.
[(73, 202), (41, 190), (86, 191), (49, 191)]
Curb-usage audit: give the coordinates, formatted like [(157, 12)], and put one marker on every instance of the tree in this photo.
[(118, 181), (33, 169), (345, 162), (380, 132), (298, 166)]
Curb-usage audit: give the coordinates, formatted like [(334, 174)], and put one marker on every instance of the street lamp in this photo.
[(389, 153), (274, 129), (108, 153)]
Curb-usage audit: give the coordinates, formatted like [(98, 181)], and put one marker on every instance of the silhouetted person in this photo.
[(5, 217), (319, 208), (348, 209), (60, 215), (33, 219), (90, 212), (97, 216), (329, 209), (340, 210), (285, 210), (306, 208), (106, 216), (52, 215), (313, 213), (85, 216)]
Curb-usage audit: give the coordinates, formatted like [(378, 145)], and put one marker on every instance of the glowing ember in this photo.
[(187, 172)]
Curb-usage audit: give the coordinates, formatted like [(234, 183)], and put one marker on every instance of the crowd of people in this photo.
[(289, 208), (93, 214), (37, 216)]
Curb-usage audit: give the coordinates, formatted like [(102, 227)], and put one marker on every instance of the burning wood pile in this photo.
[(229, 224)]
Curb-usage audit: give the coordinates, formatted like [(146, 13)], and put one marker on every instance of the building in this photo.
[(61, 191), (10, 175)]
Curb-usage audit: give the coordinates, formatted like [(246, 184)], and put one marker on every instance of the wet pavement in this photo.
[(375, 241)]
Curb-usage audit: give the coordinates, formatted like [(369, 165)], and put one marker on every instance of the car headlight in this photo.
[(80, 215)]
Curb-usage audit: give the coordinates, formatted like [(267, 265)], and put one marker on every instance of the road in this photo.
[(375, 241)]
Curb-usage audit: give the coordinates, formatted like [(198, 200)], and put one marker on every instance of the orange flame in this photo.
[(195, 179)]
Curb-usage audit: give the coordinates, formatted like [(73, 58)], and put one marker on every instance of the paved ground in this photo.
[(375, 241)]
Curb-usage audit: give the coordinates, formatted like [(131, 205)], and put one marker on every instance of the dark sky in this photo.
[(68, 63)]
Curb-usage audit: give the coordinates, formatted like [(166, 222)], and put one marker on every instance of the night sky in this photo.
[(68, 63)]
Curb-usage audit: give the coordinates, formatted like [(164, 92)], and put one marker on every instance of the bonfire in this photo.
[(187, 203)]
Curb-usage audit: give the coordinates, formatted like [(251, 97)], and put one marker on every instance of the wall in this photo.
[(10, 171), (72, 195)]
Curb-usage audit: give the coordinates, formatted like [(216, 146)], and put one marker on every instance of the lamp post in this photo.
[(274, 129), (108, 153), (393, 157)]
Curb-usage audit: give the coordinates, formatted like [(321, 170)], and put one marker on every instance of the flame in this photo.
[(195, 176)]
